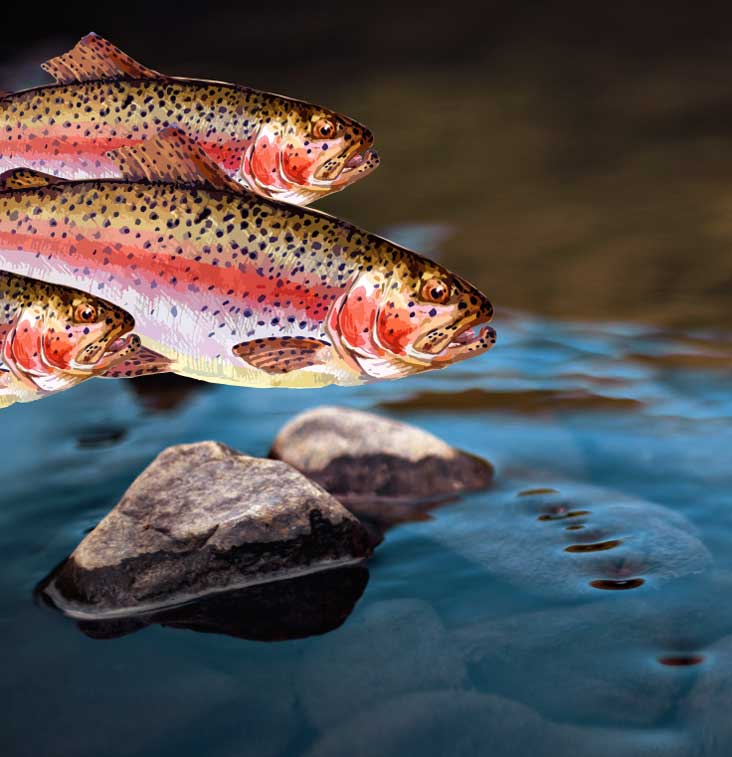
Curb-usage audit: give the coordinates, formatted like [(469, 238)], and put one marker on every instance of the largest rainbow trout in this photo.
[(103, 99), (229, 287)]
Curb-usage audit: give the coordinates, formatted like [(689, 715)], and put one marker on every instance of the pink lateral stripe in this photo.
[(312, 301)]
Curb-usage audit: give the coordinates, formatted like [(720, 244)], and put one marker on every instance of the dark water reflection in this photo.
[(292, 609), (574, 160)]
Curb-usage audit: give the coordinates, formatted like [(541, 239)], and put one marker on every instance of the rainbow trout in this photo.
[(103, 100), (53, 338), (229, 287)]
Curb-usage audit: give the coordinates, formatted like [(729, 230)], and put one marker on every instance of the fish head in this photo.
[(81, 333), (407, 316), (307, 152)]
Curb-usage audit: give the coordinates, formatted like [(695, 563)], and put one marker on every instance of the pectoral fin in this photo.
[(143, 362), (282, 354), (171, 157), (26, 178), (94, 58)]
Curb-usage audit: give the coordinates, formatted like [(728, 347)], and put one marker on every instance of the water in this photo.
[(476, 628)]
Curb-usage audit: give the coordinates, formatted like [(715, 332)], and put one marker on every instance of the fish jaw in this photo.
[(293, 169)]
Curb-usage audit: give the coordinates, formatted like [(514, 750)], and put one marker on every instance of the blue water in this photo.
[(477, 632)]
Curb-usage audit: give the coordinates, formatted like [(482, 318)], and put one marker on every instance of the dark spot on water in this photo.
[(598, 546), (533, 492), (681, 660), (575, 527), (560, 513), (612, 584), (100, 437)]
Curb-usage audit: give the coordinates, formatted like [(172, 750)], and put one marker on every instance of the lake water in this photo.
[(574, 161), (477, 630)]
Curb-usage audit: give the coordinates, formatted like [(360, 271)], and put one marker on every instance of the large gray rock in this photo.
[(377, 467), (204, 518)]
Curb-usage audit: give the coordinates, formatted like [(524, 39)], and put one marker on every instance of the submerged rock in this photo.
[(204, 518), (467, 723), (582, 541), (597, 663), (707, 705), (380, 469), (390, 648)]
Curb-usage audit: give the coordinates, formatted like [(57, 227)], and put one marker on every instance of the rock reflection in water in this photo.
[(277, 611), (530, 402)]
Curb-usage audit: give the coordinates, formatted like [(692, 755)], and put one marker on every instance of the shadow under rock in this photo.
[(295, 608)]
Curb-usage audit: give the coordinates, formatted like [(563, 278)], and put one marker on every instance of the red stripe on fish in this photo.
[(309, 301)]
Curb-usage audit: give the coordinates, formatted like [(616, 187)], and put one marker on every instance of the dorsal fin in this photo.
[(171, 157), (94, 58), (26, 178)]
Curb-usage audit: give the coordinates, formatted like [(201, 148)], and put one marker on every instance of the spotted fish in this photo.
[(103, 100), (53, 338), (234, 288)]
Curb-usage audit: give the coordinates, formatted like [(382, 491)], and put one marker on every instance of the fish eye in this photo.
[(85, 313), (436, 290), (324, 128)]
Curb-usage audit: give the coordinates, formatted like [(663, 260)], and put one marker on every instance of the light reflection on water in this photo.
[(478, 615)]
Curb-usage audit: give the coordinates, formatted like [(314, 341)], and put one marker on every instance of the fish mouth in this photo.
[(102, 355), (471, 340), (359, 164), (354, 162)]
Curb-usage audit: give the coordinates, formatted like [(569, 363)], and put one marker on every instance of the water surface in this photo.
[(579, 606)]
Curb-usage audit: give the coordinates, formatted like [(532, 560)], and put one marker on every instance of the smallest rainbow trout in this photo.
[(53, 338)]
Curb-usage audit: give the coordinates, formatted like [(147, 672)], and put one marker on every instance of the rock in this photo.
[(293, 608), (582, 541), (390, 648), (468, 723), (380, 469), (204, 518)]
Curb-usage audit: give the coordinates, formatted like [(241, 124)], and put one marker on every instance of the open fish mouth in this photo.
[(361, 161), (93, 358), (472, 334), (469, 341)]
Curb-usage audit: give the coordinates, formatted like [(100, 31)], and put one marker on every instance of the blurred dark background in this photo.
[(572, 158)]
